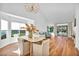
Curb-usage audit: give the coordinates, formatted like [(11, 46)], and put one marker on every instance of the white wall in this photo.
[(77, 26), (40, 22), (0, 25), (70, 28)]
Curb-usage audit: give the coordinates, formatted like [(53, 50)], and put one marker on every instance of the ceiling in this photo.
[(50, 12)]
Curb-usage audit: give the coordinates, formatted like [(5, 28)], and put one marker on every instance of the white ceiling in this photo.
[(51, 12)]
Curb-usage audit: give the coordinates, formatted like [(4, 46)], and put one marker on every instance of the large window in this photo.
[(16, 25), (4, 28), (62, 30), (4, 25), (11, 31), (16, 29)]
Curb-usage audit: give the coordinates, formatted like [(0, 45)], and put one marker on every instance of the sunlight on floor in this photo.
[(17, 51)]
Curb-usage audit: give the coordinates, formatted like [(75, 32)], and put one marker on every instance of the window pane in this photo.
[(4, 25), (14, 32), (22, 25), (3, 34), (22, 33), (16, 25)]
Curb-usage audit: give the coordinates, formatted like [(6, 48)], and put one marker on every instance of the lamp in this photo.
[(32, 7)]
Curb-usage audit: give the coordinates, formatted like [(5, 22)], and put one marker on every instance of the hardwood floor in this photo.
[(10, 50), (62, 46), (59, 46)]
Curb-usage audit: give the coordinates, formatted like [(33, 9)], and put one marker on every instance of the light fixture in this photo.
[(32, 7)]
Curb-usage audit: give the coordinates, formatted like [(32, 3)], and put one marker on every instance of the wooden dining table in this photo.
[(37, 46)]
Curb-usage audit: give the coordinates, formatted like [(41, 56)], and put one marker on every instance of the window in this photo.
[(14, 32), (62, 30), (22, 25), (16, 29), (4, 25), (16, 25), (4, 28), (22, 32), (3, 34)]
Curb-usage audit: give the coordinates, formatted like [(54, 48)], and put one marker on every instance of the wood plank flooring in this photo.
[(10, 50), (62, 46), (59, 46)]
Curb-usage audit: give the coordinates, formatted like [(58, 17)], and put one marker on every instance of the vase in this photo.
[(27, 34), (30, 35)]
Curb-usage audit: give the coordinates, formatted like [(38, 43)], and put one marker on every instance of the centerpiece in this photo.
[(31, 29)]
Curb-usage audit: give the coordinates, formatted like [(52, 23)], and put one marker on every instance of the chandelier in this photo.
[(32, 7)]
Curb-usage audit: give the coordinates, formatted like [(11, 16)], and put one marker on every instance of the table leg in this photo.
[(31, 49)]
